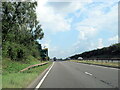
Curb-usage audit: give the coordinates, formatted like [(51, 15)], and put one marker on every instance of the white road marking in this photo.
[(105, 67), (88, 73), (40, 83), (100, 66)]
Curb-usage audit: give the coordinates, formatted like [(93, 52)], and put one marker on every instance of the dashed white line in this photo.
[(88, 73), (40, 83)]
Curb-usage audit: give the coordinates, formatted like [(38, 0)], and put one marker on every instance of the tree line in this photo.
[(111, 52), (20, 31)]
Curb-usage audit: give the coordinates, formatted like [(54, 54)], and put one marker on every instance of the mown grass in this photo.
[(116, 64), (12, 78)]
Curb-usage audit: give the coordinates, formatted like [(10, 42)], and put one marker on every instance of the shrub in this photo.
[(14, 51)]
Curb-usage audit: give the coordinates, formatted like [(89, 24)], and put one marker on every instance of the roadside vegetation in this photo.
[(20, 48), (20, 31), (108, 56), (111, 52), (96, 62), (12, 78)]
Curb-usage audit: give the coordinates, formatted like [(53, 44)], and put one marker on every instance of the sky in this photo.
[(73, 27)]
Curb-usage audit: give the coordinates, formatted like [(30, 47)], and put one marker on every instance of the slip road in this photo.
[(64, 74)]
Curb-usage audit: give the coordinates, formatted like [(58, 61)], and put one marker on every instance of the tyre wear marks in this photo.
[(108, 83)]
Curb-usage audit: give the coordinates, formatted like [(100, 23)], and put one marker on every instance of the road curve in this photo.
[(66, 74)]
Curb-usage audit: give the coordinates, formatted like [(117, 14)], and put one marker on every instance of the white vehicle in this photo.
[(80, 58)]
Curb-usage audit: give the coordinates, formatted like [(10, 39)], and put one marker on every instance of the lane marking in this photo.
[(40, 83), (101, 66), (105, 67), (88, 73)]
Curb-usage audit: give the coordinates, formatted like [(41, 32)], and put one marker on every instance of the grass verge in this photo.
[(11, 78), (113, 64)]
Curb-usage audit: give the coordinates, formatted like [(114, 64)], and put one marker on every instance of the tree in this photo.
[(20, 17), (20, 29), (110, 52)]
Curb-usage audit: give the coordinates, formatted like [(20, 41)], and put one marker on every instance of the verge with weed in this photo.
[(114, 64), (12, 78)]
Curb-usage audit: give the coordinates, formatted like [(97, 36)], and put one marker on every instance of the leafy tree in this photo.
[(20, 17), (111, 52), (20, 30)]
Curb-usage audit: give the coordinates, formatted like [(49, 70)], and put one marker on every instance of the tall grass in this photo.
[(12, 78)]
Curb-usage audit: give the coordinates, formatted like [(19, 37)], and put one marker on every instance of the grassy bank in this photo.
[(114, 64), (12, 78)]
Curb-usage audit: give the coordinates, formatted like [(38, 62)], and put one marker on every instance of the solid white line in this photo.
[(105, 67), (88, 73), (100, 66), (40, 83)]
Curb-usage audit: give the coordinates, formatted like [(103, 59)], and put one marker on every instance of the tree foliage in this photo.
[(20, 30), (106, 52)]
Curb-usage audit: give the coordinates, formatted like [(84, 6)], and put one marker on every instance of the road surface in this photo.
[(66, 74)]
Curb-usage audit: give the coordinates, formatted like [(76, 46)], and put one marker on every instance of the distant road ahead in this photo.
[(76, 75)]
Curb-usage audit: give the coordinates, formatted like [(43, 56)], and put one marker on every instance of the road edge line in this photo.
[(35, 82), (98, 65), (41, 81)]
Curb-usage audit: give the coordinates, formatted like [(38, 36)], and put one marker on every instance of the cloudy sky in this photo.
[(73, 27)]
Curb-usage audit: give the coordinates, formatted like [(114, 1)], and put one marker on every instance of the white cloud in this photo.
[(86, 45), (52, 50), (113, 39), (51, 20), (61, 53), (100, 43), (64, 8), (45, 43), (83, 0), (52, 15), (100, 20), (96, 45), (55, 51), (85, 32), (96, 22)]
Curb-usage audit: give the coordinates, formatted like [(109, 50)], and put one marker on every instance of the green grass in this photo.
[(116, 64), (9, 66), (12, 78)]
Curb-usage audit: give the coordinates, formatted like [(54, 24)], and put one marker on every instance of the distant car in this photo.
[(80, 58), (54, 59)]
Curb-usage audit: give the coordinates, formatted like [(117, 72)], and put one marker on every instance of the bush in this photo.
[(19, 52), (14, 51)]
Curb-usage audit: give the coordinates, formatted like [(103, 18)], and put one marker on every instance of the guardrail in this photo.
[(31, 66), (101, 59)]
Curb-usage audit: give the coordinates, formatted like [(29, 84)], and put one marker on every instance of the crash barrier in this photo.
[(32, 66)]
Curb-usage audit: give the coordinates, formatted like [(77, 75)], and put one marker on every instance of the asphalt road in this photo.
[(76, 75)]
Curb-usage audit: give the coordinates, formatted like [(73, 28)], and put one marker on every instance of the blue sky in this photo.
[(74, 27)]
